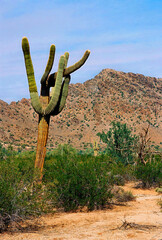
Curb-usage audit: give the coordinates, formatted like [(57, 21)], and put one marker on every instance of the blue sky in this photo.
[(125, 35)]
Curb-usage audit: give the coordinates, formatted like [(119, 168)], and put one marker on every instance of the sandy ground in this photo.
[(143, 217)]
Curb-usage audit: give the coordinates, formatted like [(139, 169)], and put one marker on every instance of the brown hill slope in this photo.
[(111, 95)]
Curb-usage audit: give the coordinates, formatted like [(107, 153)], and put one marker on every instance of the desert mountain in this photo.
[(90, 107)]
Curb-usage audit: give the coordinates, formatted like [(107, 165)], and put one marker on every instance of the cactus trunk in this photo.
[(43, 129)]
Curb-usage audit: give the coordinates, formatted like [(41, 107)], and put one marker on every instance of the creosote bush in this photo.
[(150, 174), (121, 173), (78, 181), (21, 196)]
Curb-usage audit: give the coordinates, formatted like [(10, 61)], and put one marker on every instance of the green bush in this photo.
[(121, 173), (62, 149), (150, 174), (121, 143), (78, 181), (4, 153), (20, 195)]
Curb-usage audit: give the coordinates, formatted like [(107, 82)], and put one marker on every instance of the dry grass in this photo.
[(122, 196)]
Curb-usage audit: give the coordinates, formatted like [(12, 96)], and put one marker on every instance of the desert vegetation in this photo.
[(74, 179)]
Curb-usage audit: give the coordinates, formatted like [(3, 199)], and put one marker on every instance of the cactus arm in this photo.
[(66, 54), (29, 65), (65, 87), (78, 64), (31, 79), (49, 64), (63, 96), (35, 102), (56, 91), (64, 93), (64, 90), (70, 69)]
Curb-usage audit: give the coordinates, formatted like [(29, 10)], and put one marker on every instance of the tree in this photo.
[(145, 151), (121, 143)]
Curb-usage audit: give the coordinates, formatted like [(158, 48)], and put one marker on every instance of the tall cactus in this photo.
[(49, 103)]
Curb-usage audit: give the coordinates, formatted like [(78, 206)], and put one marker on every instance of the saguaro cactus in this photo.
[(49, 103)]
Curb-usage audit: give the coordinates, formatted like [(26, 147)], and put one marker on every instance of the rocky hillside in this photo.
[(111, 95)]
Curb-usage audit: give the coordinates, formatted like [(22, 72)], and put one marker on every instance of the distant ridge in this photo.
[(111, 95)]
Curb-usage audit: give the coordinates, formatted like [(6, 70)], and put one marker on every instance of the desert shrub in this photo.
[(78, 181), (63, 149), (121, 173), (118, 180), (159, 190), (150, 174), (87, 151), (20, 195), (4, 153), (160, 204), (122, 196), (121, 143)]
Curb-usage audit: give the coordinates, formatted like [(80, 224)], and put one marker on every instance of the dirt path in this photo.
[(143, 220)]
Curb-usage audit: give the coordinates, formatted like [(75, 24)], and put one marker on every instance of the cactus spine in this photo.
[(49, 103)]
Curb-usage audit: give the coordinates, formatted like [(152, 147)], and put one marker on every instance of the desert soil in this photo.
[(137, 220)]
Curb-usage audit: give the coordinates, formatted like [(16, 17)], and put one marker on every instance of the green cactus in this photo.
[(49, 103)]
